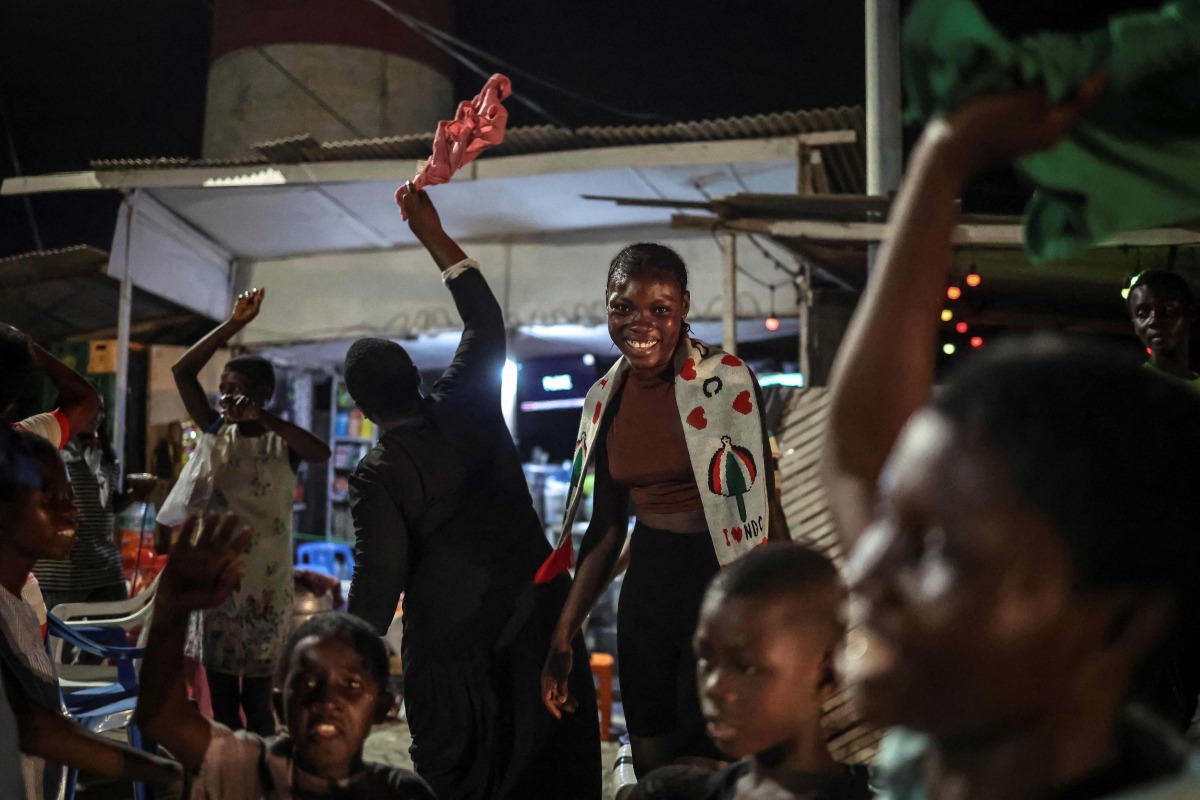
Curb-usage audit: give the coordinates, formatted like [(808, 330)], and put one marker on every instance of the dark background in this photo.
[(84, 79)]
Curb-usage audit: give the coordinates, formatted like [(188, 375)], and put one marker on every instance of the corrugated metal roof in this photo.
[(845, 163), (56, 294)]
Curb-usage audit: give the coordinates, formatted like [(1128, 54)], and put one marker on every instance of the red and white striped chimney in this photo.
[(376, 74)]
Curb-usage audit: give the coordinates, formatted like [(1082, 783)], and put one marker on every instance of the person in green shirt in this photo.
[(1160, 307)]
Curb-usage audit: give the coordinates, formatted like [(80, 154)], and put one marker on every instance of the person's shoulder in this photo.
[(232, 766), (687, 782), (395, 783)]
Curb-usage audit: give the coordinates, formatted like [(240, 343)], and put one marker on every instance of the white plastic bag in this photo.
[(193, 491)]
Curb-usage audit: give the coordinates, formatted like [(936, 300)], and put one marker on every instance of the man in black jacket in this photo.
[(442, 513)]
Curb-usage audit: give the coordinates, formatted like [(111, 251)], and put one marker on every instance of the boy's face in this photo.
[(968, 623), (1160, 319), (330, 702), (761, 672), (40, 523)]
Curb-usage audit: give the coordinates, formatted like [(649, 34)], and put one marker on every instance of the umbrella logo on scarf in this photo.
[(732, 472), (577, 464)]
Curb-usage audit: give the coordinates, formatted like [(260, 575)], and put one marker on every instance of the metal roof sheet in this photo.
[(56, 294), (845, 163)]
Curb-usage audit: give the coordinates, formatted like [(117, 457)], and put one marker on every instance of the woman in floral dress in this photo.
[(249, 467)]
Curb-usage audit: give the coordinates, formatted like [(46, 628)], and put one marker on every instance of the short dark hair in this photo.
[(258, 373), (782, 572), (22, 455), (644, 258), (381, 377), (1075, 425), (16, 362), (1161, 282), (350, 629)]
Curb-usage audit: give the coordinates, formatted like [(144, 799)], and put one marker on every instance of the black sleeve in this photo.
[(381, 547), (480, 356), (394, 783)]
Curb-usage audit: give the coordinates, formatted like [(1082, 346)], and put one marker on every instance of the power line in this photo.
[(12, 154), (428, 32), (300, 84), (778, 265), (447, 42), (307, 90)]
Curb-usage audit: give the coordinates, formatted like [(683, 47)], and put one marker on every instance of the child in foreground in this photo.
[(331, 688), (37, 520), (769, 628)]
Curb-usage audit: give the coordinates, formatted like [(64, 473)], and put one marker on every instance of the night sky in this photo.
[(81, 79)]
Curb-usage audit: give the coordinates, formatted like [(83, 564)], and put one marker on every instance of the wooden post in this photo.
[(729, 293)]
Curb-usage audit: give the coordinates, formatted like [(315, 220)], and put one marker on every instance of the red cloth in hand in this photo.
[(477, 125)]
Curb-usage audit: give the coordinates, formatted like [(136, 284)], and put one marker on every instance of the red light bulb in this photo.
[(976, 341), (961, 327), (772, 324)]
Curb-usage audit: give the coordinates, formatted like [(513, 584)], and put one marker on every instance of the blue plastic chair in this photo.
[(329, 558), (104, 707)]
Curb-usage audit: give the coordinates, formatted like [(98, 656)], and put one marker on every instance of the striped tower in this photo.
[(377, 76)]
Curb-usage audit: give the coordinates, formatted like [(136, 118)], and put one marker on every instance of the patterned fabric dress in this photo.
[(252, 477)]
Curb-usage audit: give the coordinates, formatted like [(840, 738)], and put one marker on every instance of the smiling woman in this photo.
[(675, 427)]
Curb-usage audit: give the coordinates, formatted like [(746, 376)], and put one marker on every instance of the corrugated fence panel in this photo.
[(800, 434)]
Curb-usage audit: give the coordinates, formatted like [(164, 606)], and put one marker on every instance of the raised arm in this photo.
[(187, 369), (598, 555), (480, 355), (199, 574), (77, 400), (306, 445), (884, 370)]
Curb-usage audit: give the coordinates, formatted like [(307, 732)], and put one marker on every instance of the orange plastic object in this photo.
[(602, 671)]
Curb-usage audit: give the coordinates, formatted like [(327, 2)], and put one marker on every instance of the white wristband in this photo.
[(450, 273)]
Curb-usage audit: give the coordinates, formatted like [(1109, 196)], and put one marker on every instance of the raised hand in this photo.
[(247, 306), (205, 565), (240, 408), (556, 696), (418, 209), (1014, 124)]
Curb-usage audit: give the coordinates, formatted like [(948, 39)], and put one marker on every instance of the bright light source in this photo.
[(947, 315), (976, 341), (589, 360), (953, 292), (557, 383), (1149, 352), (508, 394), (772, 323), (781, 379), (973, 279), (948, 349), (1125, 293), (961, 327)]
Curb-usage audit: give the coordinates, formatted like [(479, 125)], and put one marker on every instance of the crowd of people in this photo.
[(1017, 608)]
